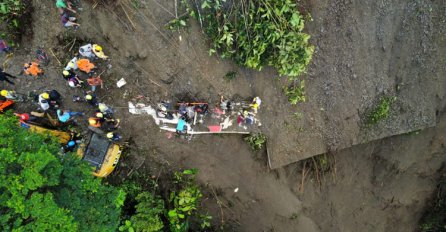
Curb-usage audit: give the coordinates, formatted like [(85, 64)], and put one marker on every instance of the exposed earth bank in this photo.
[(379, 186)]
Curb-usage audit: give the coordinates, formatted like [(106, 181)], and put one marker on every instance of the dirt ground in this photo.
[(364, 49)]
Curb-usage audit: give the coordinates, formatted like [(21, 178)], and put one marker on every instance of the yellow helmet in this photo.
[(99, 115), (71, 64), (88, 97), (102, 107), (4, 93), (97, 48), (45, 95), (110, 135), (65, 73)]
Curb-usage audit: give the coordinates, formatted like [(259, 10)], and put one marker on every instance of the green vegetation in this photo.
[(147, 218), (184, 202), (434, 219), (10, 13), (177, 24), (256, 141), (231, 75), (255, 34), (295, 93), (145, 209), (45, 190), (42, 190), (381, 111), (258, 33)]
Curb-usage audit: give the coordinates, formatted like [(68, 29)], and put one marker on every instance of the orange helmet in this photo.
[(92, 121)]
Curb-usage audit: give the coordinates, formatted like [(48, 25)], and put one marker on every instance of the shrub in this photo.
[(13, 13), (185, 201), (147, 218), (10, 11), (256, 142), (256, 33), (295, 93)]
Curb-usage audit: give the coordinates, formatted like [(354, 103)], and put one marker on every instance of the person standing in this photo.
[(4, 76)]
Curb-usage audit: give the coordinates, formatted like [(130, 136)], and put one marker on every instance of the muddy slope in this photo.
[(365, 50), (380, 186)]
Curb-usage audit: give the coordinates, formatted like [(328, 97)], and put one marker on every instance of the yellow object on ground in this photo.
[(101, 154), (62, 136), (97, 50)]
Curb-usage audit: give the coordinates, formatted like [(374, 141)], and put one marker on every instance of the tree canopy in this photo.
[(45, 190)]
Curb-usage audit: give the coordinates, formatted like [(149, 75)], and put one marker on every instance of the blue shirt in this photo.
[(181, 124), (64, 117)]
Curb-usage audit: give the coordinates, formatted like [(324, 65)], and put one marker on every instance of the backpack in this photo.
[(54, 95)]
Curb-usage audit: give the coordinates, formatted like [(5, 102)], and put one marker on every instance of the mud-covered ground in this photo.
[(364, 49)]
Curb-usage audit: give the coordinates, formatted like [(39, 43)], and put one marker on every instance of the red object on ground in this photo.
[(24, 117), (216, 128), (240, 119)]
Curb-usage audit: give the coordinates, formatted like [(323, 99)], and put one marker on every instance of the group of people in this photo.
[(67, 13), (187, 114), (50, 101), (245, 113)]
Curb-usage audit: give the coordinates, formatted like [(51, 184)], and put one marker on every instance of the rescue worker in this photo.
[(44, 101), (65, 116), (240, 119), (4, 77), (97, 50), (75, 136), (100, 116), (249, 119), (85, 65), (67, 74), (26, 117), (103, 108), (72, 64), (54, 98), (75, 82), (112, 124), (225, 104), (9, 94), (256, 102), (94, 122), (113, 136), (95, 81), (86, 51), (91, 99), (63, 5), (68, 21), (4, 47), (71, 145), (32, 69)]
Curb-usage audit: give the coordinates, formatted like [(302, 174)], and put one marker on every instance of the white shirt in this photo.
[(74, 61), (43, 103), (87, 51)]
